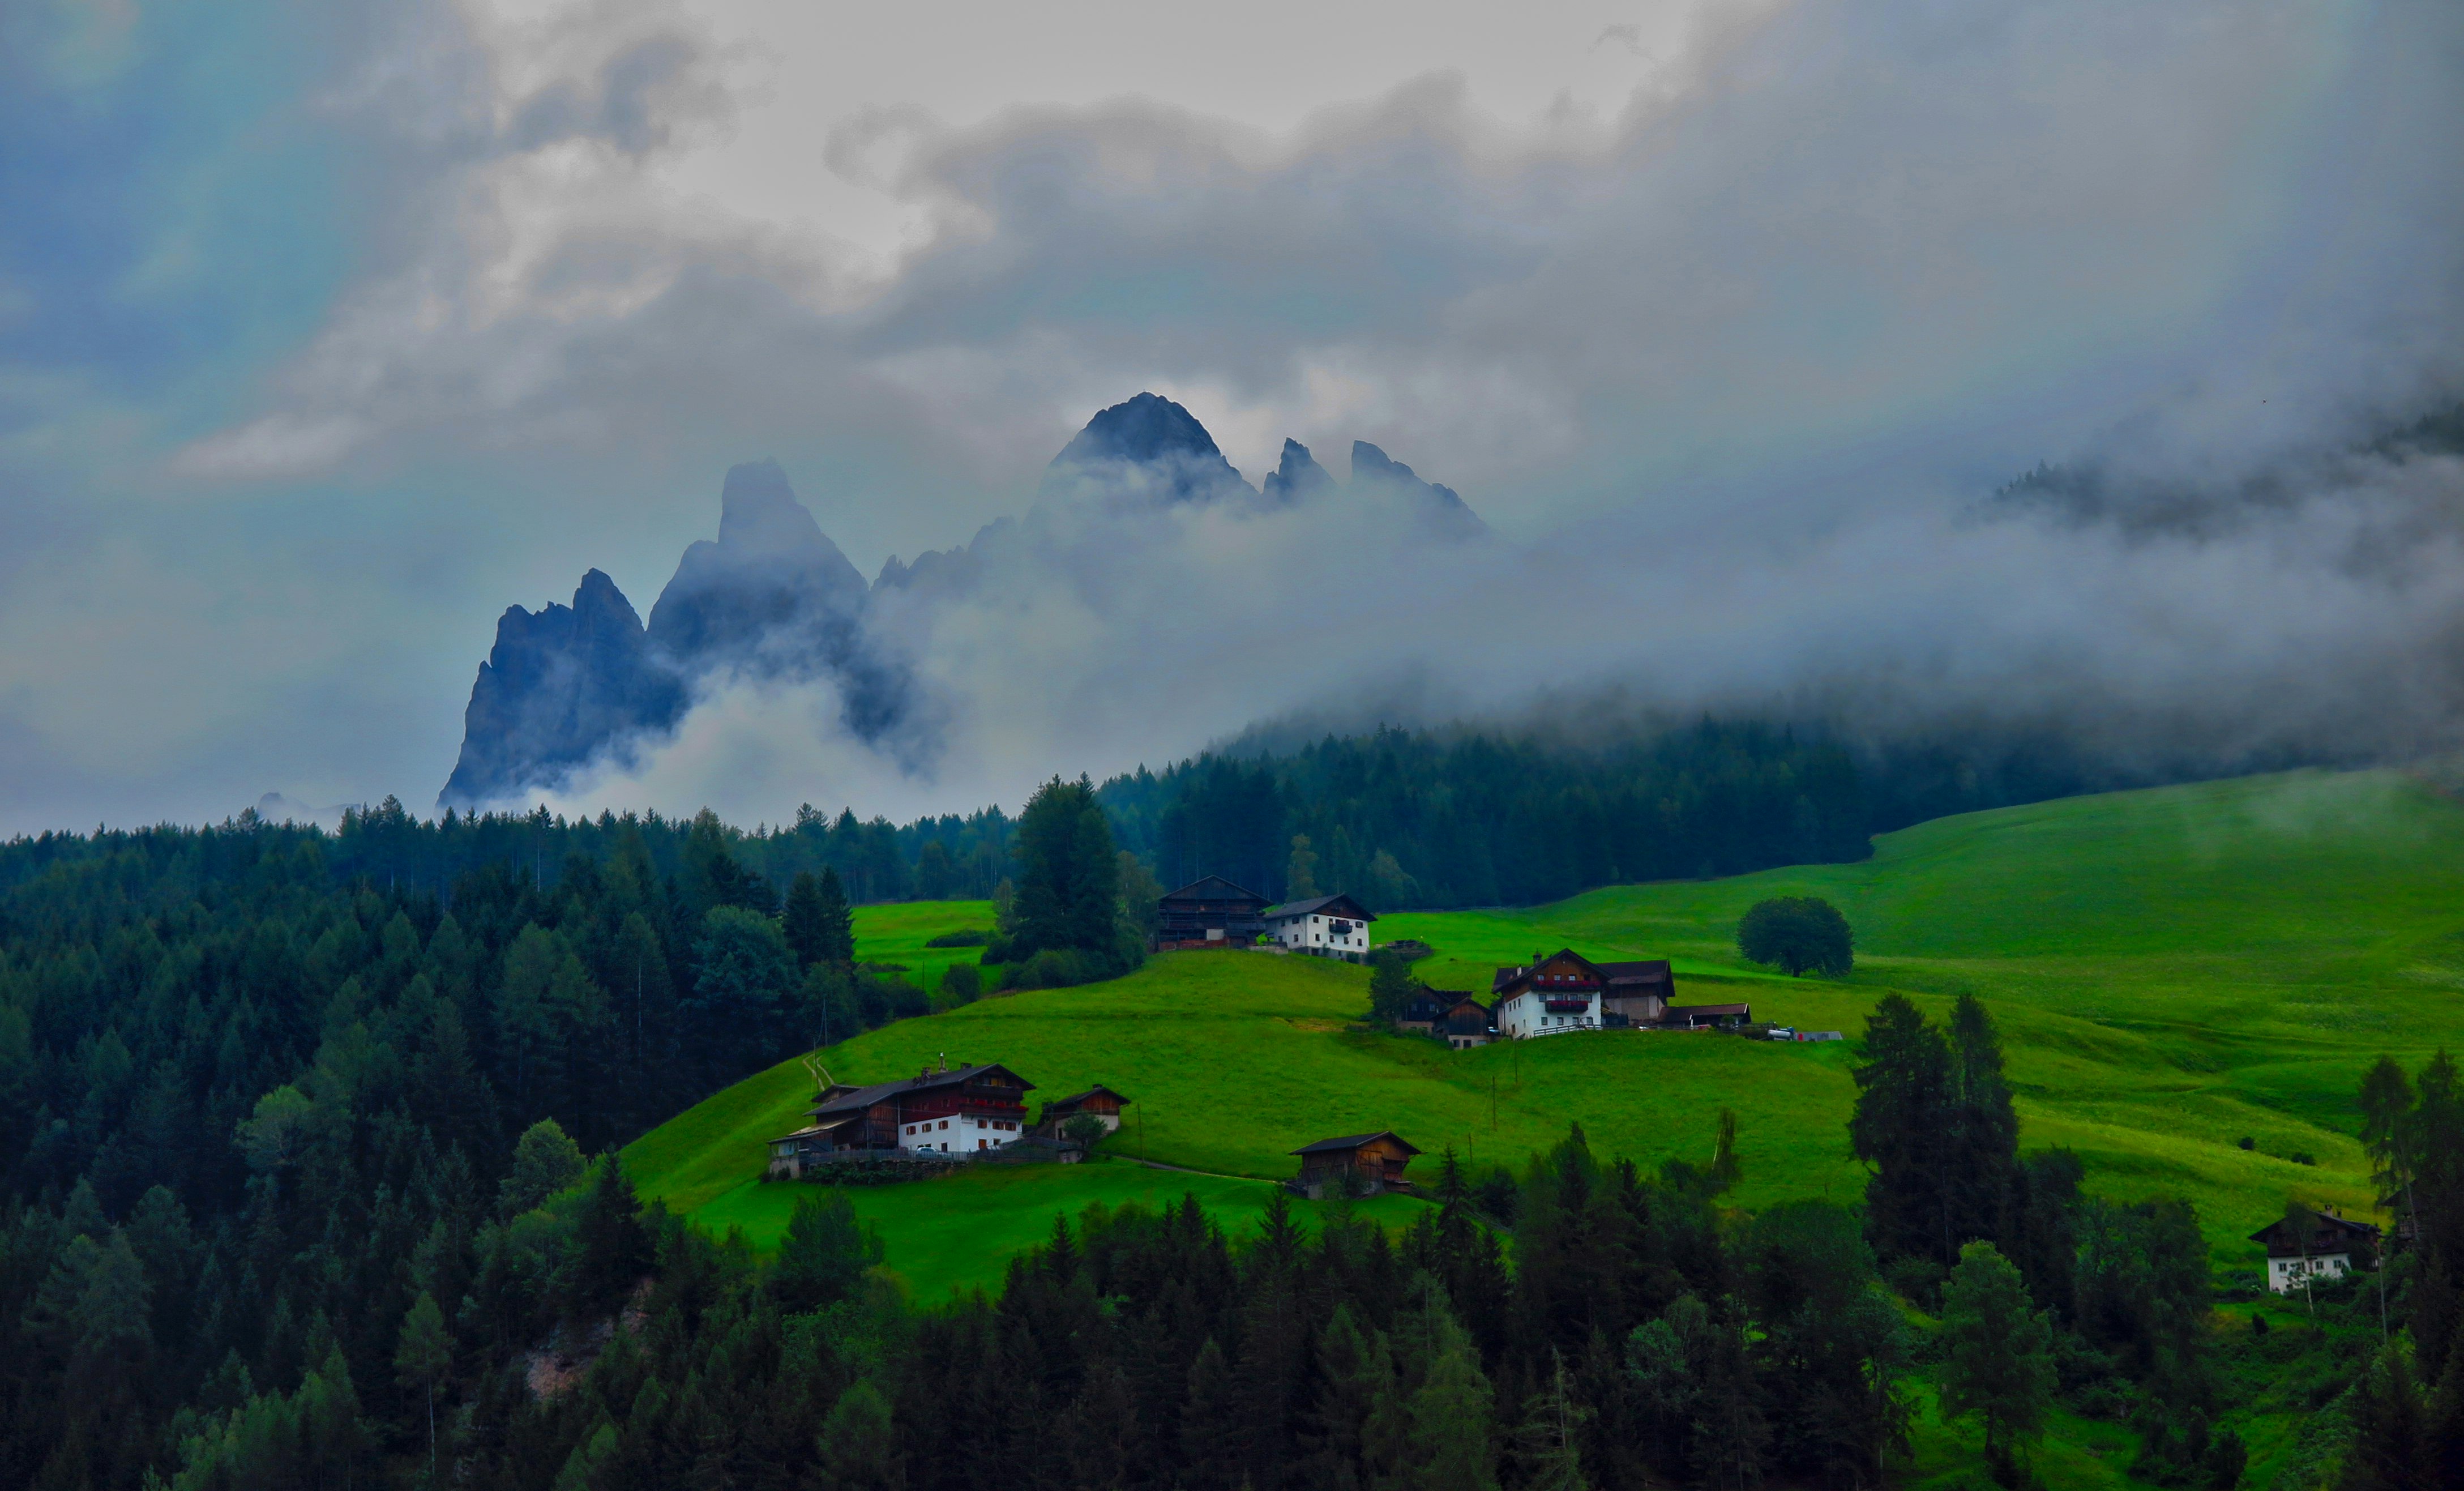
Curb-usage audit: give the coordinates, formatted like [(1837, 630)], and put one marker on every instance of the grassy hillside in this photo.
[(2174, 970)]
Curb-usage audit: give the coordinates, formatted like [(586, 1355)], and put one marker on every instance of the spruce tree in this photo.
[(1549, 1443), (1997, 1355)]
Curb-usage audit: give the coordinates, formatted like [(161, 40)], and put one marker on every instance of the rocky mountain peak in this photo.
[(1147, 446), (1298, 477)]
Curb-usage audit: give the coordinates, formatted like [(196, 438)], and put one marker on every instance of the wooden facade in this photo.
[(1097, 1102), (1365, 1164), (959, 1113), (1465, 1024), (1212, 911), (2333, 1246)]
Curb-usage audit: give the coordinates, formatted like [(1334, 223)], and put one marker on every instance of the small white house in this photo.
[(1326, 926), (2335, 1245)]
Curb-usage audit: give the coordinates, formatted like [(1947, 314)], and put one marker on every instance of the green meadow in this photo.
[(2174, 970)]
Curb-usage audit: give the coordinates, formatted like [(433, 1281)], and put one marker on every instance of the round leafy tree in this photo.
[(1799, 935)]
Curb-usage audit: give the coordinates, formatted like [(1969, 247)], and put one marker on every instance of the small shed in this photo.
[(1705, 1017), (1364, 1164), (1465, 1024), (1097, 1102), (2334, 1247)]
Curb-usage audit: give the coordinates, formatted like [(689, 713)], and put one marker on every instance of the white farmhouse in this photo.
[(1326, 926), (1549, 997), (2331, 1248)]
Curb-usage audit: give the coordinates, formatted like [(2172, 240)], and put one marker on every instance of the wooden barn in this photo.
[(1361, 1164), (1212, 913), (1422, 1011), (1097, 1102), (1465, 1024)]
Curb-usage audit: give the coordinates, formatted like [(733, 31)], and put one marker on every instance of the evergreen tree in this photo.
[(546, 1161), (1981, 1144), (1210, 1424), (1068, 878), (1898, 1127), (1299, 871), (423, 1354), (1997, 1355), (857, 1447), (825, 1253), (611, 1249), (1549, 1443)]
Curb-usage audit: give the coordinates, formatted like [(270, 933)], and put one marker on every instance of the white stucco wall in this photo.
[(2285, 1274), (1312, 933), (1524, 1017), (962, 1134)]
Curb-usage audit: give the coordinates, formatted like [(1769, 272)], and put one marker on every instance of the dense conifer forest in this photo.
[(1401, 820), (301, 1193)]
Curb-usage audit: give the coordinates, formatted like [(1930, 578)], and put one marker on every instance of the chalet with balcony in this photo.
[(1212, 913), (1361, 1164), (1322, 925), (1565, 992), (2333, 1247), (963, 1112), (1554, 995)]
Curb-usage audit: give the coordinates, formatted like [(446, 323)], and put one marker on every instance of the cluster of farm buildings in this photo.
[(1551, 996), (948, 1116), (944, 1117)]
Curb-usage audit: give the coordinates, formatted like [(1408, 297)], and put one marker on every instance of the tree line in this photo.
[(1399, 819)]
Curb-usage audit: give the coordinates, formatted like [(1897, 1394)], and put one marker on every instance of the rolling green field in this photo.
[(2172, 970)]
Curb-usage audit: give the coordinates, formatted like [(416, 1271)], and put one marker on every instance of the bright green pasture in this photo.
[(1233, 1060), (960, 1233), (896, 933), (2172, 970)]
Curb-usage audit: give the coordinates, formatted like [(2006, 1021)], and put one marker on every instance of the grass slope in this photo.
[(2172, 970)]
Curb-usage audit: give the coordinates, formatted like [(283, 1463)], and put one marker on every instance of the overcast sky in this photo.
[(328, 332)]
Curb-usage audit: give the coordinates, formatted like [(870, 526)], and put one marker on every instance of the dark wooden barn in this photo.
[(1365, 1164), (1210, 911)]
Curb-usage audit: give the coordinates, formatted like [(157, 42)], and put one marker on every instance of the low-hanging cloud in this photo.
[(1731, 369)]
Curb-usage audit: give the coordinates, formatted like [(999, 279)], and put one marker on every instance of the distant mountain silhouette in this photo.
[(773, 599)]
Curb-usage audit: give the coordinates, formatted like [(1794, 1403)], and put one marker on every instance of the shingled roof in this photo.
[(855, 1100), (1352, 1142), (1330, 905)]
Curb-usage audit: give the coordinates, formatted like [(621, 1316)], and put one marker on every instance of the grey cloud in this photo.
[(1763, 340)]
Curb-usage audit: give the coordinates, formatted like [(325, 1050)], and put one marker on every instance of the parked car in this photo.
[(1781, 1033)]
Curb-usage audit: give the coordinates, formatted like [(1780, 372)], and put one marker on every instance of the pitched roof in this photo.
[(855, 1100), (1651, 970), (2330, 1233), (1506, 978), (1055, 1104), (1675, 1010), (1337, 905), (1354, 1142), (1214, 887)]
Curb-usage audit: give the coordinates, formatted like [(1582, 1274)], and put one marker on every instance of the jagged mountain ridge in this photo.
[(571, 687)]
